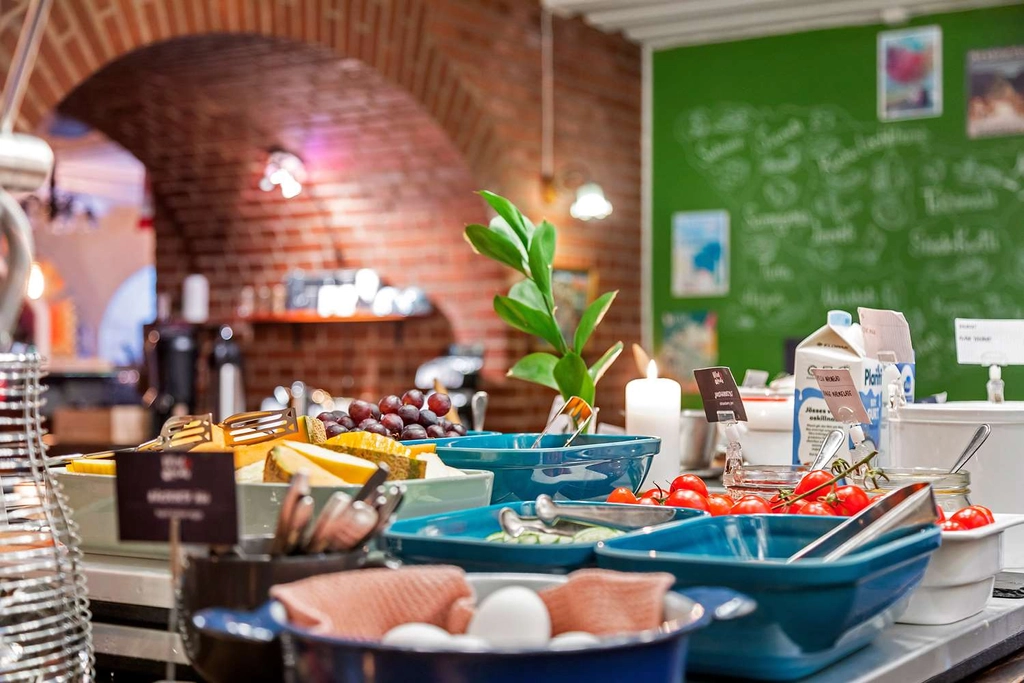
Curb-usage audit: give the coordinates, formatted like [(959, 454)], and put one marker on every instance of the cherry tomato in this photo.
[(684, 498), (795, 507), (817, 508), (985, 511), (813, 480), (622, 495), (940, 513), (659, 494), (649, 501), (719, 504), (850, 500), (971, 517), (690, 482), (750, 505), (950, 525)]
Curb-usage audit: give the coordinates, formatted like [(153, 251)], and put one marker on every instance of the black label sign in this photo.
[(196, 488), (722, 402)]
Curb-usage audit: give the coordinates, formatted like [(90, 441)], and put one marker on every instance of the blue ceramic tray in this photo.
[(458, 538), (810, 614), (591, 468)]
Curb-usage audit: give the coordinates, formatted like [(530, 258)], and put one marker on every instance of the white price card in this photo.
[(989, 342), (841, 395)]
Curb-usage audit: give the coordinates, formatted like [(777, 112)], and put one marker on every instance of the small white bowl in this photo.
[(960, 575)]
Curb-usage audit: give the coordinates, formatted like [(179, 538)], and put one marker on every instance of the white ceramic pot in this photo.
[(960, 575), (934, 434), (767, 436)]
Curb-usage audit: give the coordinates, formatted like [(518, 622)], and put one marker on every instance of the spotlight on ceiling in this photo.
[(284, 170)]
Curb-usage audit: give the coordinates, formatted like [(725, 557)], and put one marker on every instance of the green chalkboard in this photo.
[(827, 205)]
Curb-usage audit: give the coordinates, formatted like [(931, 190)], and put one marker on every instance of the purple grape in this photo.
[(375, 412), (427, 418), (347, 422), (413, 432), (359, 411), (445, 423), (435, 431), (377, 428), (410, 414), (439, 403), (326, 417), (334, 429), (451, 433), (366, 423), (413, 397), (339, 415), (328, 423), (389, 404), (392, 423), (459, 429)]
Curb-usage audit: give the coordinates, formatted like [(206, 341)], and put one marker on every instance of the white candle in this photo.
[(653, 409)]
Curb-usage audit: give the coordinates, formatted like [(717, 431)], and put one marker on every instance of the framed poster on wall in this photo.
[(700, 254), (910, 73), (573, 289)]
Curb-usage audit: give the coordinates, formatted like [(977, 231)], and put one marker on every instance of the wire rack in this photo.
[(45, 633)]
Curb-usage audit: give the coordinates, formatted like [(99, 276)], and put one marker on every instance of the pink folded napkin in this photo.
[(366, 604)]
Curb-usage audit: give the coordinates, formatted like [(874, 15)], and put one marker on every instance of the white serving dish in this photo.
[(91, 497), (960, 575), (767, 436), (933, 434)]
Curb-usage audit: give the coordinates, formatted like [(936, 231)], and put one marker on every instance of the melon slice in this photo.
[(310, 431), (375, 448), (92, 466), (284, 461), (350, 468)]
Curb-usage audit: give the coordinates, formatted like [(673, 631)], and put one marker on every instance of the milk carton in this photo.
[(839, 344), (887, 339)]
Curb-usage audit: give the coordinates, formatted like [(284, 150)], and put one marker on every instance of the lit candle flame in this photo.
[(652, 370)]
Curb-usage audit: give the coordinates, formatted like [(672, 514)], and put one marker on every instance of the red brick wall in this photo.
[(402, 109)]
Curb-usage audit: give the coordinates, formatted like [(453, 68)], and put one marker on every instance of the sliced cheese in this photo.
[(284, 461), (350, 468)]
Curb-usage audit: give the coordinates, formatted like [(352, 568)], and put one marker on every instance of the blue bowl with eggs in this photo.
[(590, 468), (810, 613), (653, 656), (460, 538)]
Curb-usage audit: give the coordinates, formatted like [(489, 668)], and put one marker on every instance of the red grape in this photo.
[(410, 414), (427, 418), (459, 429), (392, 423), (445, 423), (367, 422), (339, 415), (374, 411), (435, 431), (347, 422), (413, 432), (360, 410), (413, 397), (439, 403), (377, 428), (333, 429), (390, 404), (450, 433), (326, 417)]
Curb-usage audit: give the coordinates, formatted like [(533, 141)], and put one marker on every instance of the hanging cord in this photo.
[(547, 60), (22, 62)]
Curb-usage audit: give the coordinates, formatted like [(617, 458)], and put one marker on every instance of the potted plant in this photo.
[(530, 306)]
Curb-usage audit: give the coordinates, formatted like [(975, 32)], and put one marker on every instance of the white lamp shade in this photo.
[(590, 203)]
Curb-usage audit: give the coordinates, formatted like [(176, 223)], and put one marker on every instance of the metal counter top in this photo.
[(903, 654)]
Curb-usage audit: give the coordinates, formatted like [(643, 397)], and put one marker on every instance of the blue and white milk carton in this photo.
[(839, 344)]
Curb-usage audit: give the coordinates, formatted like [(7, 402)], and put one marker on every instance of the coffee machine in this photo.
[(171, 353)]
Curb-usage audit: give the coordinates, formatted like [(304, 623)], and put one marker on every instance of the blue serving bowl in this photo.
[(809, 614), (589, 469), (655, 656), (458, 538)]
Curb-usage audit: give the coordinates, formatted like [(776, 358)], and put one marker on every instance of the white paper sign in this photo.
[(886, 332), (989, 342), (841, 395)]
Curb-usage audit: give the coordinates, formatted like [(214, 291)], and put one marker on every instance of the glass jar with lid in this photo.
[(952, 491)]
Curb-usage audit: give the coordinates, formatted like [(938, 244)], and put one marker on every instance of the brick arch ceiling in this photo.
[(392, 37)]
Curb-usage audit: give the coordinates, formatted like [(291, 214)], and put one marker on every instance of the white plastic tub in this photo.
[(961, 574), (933, 435)]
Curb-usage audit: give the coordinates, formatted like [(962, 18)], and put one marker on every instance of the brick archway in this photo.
[(395, 38)]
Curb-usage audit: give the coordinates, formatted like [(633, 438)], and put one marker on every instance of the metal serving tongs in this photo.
[(625, 517), (179, 433), (577, 409), (908, 506), (244, 429)]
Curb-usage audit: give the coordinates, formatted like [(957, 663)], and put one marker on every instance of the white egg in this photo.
[(418, 636), (469, 643), (512, 618), (572, 640)]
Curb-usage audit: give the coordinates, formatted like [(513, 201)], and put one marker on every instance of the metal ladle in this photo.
[(515, 526), (976, 442), (829, 447)]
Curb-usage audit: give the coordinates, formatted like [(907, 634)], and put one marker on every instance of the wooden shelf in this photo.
[(303, 317)]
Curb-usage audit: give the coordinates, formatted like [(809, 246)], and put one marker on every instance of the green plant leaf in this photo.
[(502, 228), (602, 364), (537, 368), (507, 210), (542, 254), (526, 292), (529, 320), (590, 319), (573, 379), (495, 246)]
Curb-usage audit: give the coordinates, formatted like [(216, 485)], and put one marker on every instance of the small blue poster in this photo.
[(700, 254)]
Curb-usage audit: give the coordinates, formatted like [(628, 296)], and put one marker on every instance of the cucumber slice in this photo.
[(498, 536), (529, 539), (595, 534)]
